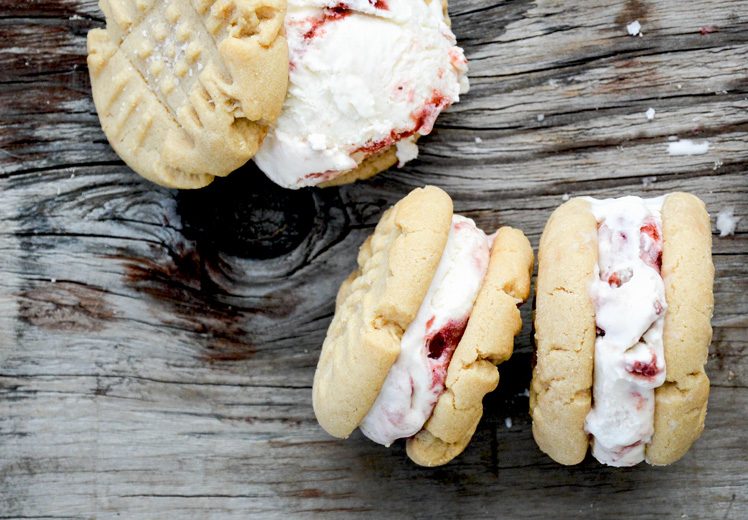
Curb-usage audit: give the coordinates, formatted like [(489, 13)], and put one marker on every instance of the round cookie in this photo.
[(560, 395), (488, 340), (375, 306), (185, 90), (688, 273)]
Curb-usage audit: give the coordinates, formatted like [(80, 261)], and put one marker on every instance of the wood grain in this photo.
[(157, 348)]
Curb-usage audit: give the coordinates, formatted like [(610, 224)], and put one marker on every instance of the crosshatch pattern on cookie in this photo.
[(185, 90)]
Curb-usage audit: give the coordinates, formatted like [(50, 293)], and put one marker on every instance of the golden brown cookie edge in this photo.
[(342, 397), (488, 341), (561, 388), (688, 273)]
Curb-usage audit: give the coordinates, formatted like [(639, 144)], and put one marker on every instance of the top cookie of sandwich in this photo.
[(375, 306), (185, 90), (488, 340)]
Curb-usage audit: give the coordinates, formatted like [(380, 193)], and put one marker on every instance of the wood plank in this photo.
[(157, 348)]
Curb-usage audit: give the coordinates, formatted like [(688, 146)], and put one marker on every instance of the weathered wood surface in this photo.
[(157, 348)]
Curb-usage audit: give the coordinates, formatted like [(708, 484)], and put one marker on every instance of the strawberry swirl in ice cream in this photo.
[(364, 75), (416, 380), (629, 297)]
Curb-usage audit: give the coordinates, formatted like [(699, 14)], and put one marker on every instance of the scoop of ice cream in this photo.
[(364, 75), (629, 296), (416, 380)]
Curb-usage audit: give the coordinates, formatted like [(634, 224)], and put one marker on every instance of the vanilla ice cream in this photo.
[(416, 380), (363, 76), (629, 297)]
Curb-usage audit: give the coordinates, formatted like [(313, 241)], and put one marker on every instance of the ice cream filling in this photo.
[(364, 75), (629, 297), (416, 380)]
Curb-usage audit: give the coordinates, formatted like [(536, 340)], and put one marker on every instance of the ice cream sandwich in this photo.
[(419, 328), (367, 78), (622, 329)]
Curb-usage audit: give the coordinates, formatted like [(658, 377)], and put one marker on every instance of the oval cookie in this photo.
[(561, 388), (688, 272), (488, 340), (376, 304)]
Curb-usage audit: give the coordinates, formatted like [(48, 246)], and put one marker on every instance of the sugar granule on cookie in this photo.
[(417, 368), (184, 90)]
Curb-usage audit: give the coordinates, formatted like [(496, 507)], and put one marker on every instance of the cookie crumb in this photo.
[(405, 150), (565, 197), (648, 181), (634, 28), (508, 423), (525, 392), (687, 147), (478, 140), (717, 165), (540, 118), (726, 222), (650, 114)]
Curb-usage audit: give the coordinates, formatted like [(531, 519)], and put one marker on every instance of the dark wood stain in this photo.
[(307, 493), (179, 284), (62, 306), (247, 215), (514, 381), (633, 10), (316, 493), (227, 349)]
